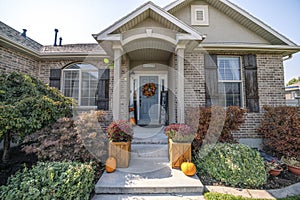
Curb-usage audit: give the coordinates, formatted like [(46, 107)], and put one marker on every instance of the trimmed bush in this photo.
[(281, 130), (215, 124), (53, 180), (233, 164)]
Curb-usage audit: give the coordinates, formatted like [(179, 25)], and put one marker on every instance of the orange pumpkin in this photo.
[(111, 164), (188, 168)]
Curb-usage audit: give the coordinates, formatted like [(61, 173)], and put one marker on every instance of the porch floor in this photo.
[(149, 175)]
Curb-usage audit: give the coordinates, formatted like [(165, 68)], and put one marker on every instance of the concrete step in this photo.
[(149, 135), (174, 196), (162, 181), (149, 150)]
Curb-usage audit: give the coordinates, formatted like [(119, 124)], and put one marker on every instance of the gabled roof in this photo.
[(135, 17), (240, 16)]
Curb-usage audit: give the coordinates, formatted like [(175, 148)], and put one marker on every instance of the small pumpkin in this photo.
[(188, 168), (111, 164)]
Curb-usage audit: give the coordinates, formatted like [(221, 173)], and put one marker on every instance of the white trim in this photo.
[(145, 35), (102, 35)]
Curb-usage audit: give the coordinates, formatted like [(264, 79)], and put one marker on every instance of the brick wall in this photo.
[(194, 83), (14, 61), (270, 83)]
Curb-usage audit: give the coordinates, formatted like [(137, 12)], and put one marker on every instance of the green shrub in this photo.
[(53, 180), (27, 105), (214, 124), (281, 130), (233, 164)]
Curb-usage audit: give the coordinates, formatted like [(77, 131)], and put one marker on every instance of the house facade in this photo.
[(161, 62)]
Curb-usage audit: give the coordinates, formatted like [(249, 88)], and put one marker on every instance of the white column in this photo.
[(180, 84), (117, 76)]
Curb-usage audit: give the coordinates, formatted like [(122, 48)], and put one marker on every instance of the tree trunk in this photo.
[(6, 147)]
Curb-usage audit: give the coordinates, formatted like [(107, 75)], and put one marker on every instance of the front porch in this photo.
[(149, 172), (148, 47)]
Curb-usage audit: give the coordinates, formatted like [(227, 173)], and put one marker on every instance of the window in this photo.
[(80, 82), (199, 15), (229, 81)]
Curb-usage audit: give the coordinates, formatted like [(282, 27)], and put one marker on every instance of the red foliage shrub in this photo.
[(281, 130), (215, 124)]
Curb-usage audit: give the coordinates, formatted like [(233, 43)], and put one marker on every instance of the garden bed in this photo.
[(19, 159)]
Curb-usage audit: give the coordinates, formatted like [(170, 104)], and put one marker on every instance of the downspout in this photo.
[(287, 57)]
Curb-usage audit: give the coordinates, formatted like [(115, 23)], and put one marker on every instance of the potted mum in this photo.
[(120, 134), (180, 139), (293, 164)]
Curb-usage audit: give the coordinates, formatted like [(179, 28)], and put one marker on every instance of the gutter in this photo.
[(287, 57)]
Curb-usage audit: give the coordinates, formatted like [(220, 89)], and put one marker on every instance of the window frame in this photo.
[(80, 81), (240, 81)]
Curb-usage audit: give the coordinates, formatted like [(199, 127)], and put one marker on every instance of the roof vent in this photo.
[(55, 37), (60, 41), (24, 33)]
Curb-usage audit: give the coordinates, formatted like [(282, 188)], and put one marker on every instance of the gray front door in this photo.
[(149, 104)]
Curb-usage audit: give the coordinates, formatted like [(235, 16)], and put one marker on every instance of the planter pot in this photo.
[(179, 153), (121, 152), (294, 170), (275, 172)]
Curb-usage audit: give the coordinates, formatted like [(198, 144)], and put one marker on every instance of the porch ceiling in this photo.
[(149, 50)]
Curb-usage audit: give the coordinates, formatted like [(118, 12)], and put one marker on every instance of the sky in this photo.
[(76, 20)]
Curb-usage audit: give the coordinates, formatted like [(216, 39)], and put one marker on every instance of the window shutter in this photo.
[(251, 86), (55, 75), (211, 80), (102, 94)]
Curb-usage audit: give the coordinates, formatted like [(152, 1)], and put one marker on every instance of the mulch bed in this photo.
[(285, 179)]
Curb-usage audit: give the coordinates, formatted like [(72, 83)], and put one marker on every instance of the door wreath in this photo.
[(149, 89)]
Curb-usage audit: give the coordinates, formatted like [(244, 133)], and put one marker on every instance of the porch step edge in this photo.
[(164, 196)]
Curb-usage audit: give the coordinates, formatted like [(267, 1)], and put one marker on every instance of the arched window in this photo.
[(80, 82)]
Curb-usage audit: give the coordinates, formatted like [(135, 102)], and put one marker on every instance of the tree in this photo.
[(27, 105), (293, 81)]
